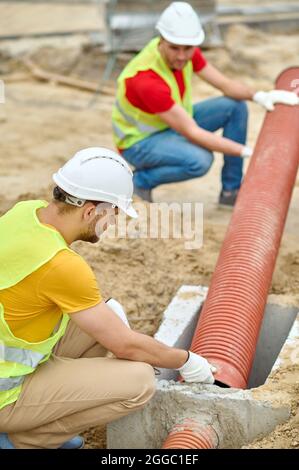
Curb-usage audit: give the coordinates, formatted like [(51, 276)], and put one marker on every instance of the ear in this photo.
[(89, 211)]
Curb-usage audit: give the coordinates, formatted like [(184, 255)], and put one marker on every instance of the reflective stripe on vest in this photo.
[(141, 127), (21, 356), (11, 382), (120, 134)]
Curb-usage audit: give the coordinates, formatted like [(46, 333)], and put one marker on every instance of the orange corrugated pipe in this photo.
[(230, 321), (191, 435)]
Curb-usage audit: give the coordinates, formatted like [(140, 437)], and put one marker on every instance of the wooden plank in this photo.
[(15, 77), (224, 10), (55, 78)]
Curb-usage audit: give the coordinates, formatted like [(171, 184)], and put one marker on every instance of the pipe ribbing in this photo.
[(229, 324), (191, 435), (230, 321)]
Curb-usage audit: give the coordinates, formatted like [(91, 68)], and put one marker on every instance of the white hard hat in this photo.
[(97, 174), (179, 24)]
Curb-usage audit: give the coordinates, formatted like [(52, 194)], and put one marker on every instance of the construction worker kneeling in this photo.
[(55, 329), (158, 129)]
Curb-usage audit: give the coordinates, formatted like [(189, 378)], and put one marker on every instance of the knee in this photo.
[(240, 108), (143, 377), (234, 106), (201, 165)]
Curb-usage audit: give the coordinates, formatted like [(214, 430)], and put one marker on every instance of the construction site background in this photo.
[(44, 123)]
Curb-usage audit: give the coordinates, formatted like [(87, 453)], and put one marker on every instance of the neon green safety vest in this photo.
[(131, 124), (25, 246)]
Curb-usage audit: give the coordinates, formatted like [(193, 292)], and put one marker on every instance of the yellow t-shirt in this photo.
[(34, 306)]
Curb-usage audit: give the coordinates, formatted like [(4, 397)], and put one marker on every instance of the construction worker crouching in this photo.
[(55, 328), (158, 130)]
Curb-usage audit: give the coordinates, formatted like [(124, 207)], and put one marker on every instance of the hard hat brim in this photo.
[(130, 211), (183, 41)]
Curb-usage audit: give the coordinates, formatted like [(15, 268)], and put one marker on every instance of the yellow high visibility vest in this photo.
[(131, 124), (25, 246)]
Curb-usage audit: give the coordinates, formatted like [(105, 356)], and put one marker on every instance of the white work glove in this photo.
[(246, 152), (118, 309), (197, 369), (268, 99)]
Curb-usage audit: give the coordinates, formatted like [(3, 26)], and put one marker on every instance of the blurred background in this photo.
[(59, 61)]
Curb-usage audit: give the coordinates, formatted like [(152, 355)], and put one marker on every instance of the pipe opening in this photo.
[(277, 323), (221, 384)]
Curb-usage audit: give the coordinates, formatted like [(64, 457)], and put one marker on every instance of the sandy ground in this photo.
[(45, 124)]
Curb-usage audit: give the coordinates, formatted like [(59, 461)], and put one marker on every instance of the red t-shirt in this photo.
[(150, 93)]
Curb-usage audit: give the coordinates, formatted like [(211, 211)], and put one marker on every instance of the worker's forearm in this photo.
[(238, 91), (214, 142), (143, 348), (178, 119)]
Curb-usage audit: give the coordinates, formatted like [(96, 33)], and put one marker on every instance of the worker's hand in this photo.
[(197, 369), (268, 99), (246, 152), (118, 309)]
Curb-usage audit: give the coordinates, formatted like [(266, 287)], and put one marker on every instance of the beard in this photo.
[(89, 238), (90, 234), (96, 228)]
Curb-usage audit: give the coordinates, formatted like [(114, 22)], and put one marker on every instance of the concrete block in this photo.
[(179, 321), (237, 416), (234, 414)]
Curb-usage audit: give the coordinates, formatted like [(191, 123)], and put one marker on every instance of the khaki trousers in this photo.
[(75, 389)]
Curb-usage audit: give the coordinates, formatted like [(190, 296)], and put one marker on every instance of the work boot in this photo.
[(145, 194), (76, 442), (228, 198)]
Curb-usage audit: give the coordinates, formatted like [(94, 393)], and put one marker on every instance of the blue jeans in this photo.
[(167, 156)]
